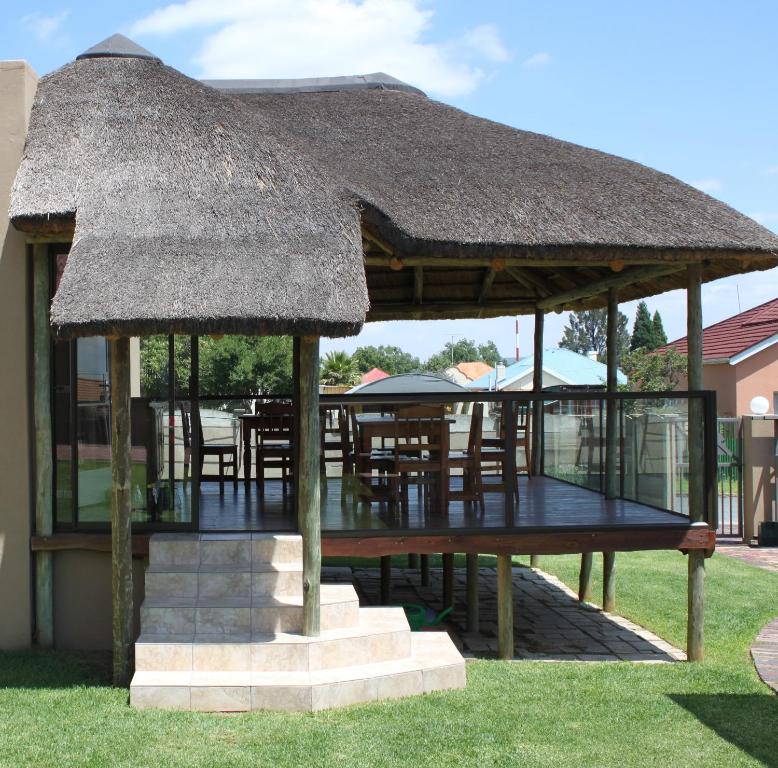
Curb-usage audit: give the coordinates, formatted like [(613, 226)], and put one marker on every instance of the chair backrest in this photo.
[(335, 421), (186, 424), (275, 423), (475, 437), (523, 419), (420, 430)]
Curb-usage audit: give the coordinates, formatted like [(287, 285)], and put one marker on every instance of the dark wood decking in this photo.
[(544, 504), (552, 517)]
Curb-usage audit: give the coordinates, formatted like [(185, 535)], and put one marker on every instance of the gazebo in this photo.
[(308, 208)]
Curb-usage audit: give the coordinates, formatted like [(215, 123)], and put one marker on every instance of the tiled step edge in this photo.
[(381, 635), (435, 665)]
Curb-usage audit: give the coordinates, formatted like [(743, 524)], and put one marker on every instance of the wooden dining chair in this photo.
[(469, 461), (227, 453), (420, 456), (493, 448), (370, 465), (274, 434)]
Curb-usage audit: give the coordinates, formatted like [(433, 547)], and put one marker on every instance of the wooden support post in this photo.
[(308, 486), (537, 388), (448, 579), (121, 510), (425, 570), (413, 560), (612, 411), (695, 639), (585, 578), (534, 561), (44, 452), (472, 593), (609, 581), (696, 431), (505, 606), (386, 579), (612, 477)]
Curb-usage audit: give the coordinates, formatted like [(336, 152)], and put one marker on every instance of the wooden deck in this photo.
[(551, 517)]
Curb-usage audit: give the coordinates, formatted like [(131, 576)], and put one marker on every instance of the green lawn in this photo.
[(56, 709)]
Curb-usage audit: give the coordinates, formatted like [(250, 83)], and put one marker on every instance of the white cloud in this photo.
[(707, 185), (43, 27), (309, 38), (771, 170), (537, 60)]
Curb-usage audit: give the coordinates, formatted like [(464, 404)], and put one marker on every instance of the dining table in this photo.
[(372, 426)]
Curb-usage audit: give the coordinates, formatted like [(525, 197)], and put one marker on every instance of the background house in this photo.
[(561, 367), (740, 359), (464, 373)]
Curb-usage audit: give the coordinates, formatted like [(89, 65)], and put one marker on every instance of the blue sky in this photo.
[(686, 87)]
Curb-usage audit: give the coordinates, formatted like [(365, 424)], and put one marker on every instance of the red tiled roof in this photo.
[(474, 370), (736, 334), (374, 374)]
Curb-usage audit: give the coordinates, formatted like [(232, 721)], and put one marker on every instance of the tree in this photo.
[(232, 365), (388, 358), (587, 332), (463, 351), (246, 365), (658, 329), (338, 370), (642, 330), (654, 371)]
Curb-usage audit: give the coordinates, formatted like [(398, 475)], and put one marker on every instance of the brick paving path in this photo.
[(764, 652), (549, 622), (760, 557)]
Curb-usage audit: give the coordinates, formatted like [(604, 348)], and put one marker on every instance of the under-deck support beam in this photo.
[(505, 606), (696, 564), (585, 578), (121, 510), (44, 505), (308, 485), (448, 579), (472, 592)]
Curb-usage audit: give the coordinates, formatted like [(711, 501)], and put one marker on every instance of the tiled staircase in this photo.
[(221, 631)]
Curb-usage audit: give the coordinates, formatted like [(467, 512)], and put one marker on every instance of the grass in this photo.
[(56, 708)]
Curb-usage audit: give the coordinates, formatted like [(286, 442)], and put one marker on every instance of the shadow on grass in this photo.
[(747, 721), (54, 669)]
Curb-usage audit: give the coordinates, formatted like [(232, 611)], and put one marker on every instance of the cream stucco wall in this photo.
[(17, 89), (758, 473), (82, 599), (756, 375)]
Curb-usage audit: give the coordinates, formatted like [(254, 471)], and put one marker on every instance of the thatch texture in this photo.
[(191, 217), (439, 179)]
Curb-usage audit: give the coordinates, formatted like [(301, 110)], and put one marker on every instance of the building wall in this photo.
[(524, 384), (82, 599), (757, 375), (17, 89), (758, 474), (720, 377)]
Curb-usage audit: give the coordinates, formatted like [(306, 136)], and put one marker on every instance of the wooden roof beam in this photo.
[(486, 286), (619, 280), (529, 280), (418, 284)]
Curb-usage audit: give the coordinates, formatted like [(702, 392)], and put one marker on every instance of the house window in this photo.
[(81, 405)]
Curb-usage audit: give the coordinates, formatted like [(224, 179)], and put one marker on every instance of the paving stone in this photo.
[(549, 622)]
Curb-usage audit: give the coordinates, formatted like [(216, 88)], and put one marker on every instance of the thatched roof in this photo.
[(438, 184), (190, 215), (442, 179), (236, 211)]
